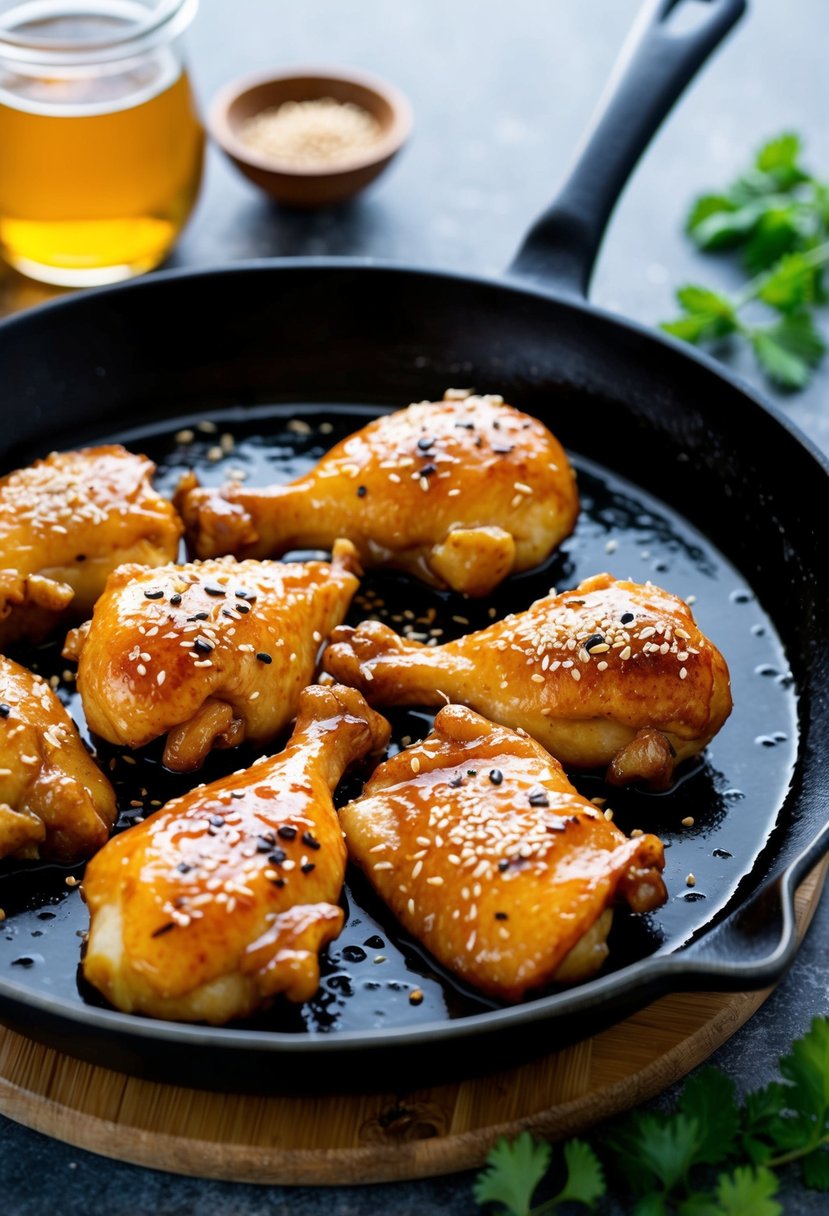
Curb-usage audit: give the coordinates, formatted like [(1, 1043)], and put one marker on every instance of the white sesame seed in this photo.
[(683, 671)]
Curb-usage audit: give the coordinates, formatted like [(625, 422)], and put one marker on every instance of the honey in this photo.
[(100, 168)]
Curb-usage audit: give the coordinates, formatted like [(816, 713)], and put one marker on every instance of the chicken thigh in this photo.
[(66, 522), (460, 492), (486, 853), (612, 673), (209, 653), (55, 803), (223, 898)]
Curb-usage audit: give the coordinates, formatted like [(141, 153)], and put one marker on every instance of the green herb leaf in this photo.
[(650, 1205), (654, 1149), (790, 285), (807, 1069), (815, 1170), (513, 1171), (723, 229), (747, 1192), (789, 350), (779, 230), (709, 316), (709, 1098), (585, 1178), (779, 159)]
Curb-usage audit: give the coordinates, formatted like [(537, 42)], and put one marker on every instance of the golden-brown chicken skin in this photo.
[(66, 522), (611, 673), (223, 898), (54, 801), (488, 855), (209, 653), (460, 492)]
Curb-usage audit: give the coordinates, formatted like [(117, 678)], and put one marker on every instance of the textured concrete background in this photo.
[(501, 93)]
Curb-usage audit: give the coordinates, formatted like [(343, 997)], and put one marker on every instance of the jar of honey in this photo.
[(100, 145)]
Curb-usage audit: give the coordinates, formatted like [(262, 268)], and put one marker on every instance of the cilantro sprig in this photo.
[(712, 1156), (776, 216)]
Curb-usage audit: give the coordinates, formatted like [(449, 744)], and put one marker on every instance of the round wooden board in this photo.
[(347, 1139)]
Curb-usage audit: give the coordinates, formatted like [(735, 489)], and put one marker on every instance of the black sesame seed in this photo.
[(425, 444), (539, 797), (310, 840), (278, 882), (200, 616), (250, 596), (496, 776), (171, 924), (265, 842), (471, 772), (428, 470), (175, 599), (503, 864), (595, 640), (243, 608), (456, 782), (229, 613), (502, 916), (80, 557), (217, 821), (153, 595), (5, 710), (308, 867), (626, 618), (203, 646), (210, 589), (277, 856), (183, 867), (465, 426), (361, 491), (264, 658), (286, 831)]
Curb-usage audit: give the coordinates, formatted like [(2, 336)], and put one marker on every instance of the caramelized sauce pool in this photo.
[(373, 975)]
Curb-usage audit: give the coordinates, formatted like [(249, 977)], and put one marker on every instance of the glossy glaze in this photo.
[(586, 673), (223, 899), (54, 801), (460, 492), (490, 857), (66, 522), (210, 653)]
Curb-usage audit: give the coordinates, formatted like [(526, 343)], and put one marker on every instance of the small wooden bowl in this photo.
[(320, 186)]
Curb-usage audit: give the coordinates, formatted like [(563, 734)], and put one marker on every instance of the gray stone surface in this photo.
[(500, 92)]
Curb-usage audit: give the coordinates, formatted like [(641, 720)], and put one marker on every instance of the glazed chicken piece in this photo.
[(209, 653), (66, 522), (612, 673), (223, 898), (487, 854), (55, 803), (460, 492)]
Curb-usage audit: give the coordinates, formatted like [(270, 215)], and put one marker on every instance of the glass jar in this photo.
[(100, 145)]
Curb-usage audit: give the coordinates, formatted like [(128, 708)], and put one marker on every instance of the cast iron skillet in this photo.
[(669, 420)]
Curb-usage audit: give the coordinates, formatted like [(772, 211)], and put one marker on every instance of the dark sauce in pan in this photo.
[(374, 975)]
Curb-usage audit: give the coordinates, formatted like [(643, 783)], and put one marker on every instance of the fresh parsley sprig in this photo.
[(777, 216), (712, 1156)]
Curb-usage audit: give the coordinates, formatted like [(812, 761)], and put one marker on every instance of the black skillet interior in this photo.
[(700, 486), (688, 476)]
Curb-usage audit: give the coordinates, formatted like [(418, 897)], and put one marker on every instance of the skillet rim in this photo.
[(645, 979)]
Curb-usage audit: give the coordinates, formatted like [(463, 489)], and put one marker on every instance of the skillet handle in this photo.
[(755, 946), (669, 42)]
